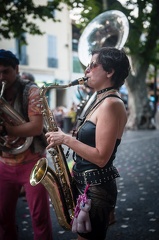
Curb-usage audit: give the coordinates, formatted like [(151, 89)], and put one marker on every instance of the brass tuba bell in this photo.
[(108, 29)]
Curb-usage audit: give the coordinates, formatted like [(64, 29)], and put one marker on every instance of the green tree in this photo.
[(142, 43), (17, 17)]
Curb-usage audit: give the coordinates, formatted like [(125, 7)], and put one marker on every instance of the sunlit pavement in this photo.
[(137, 210)]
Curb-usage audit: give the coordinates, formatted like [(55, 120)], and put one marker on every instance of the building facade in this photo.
[(50, 57)]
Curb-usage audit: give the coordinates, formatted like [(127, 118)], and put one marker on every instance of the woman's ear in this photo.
[(110, 73)]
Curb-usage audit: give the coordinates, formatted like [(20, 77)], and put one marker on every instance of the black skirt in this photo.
[(103, 200)]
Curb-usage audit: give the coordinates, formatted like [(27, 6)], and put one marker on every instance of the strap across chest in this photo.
[(93, 107)]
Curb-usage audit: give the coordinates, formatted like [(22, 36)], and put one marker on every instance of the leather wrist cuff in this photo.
[(4, 131)]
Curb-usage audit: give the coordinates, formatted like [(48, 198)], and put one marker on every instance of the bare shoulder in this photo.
[(115, 107), (115, 102)]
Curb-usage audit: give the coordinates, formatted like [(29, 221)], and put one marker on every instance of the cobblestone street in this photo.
[(137, 210)]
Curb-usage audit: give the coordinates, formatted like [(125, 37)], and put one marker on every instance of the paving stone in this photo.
[(137, 209)]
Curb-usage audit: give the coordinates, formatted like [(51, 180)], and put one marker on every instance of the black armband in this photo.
[(4, 131)]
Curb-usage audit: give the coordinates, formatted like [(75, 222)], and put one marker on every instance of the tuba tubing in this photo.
[(17, 120)]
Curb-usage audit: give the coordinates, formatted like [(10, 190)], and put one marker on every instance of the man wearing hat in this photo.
[(16, 166)]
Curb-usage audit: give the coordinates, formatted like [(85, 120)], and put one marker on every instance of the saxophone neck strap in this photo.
[(110, 95), (92, 107)]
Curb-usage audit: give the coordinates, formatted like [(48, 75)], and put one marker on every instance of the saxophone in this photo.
[(58, 181)]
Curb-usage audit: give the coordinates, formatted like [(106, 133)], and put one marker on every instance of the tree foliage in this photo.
[(15, 20), (16, 17), (142, 44), (144, 27)]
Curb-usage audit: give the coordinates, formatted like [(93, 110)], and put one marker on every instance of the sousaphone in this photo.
[(108, 29)]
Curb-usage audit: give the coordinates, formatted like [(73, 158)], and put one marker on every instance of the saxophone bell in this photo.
[(42, 173)]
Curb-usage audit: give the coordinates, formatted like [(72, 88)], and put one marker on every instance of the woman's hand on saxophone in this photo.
[(55, 138)]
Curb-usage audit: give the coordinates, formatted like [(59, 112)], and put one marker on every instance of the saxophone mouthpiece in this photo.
[(78, 81)]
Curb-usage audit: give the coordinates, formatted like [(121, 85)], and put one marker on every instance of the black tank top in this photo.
[(86, 135)]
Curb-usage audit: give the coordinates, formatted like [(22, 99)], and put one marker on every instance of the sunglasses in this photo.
[(92, 65)]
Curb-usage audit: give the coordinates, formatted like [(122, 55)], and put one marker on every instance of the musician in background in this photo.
[(98, 138), (23, 96), (28, 76)]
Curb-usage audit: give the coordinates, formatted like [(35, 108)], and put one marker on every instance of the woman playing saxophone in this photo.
[(98, 138)]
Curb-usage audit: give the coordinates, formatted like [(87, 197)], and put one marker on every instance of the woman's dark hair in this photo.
[(114, 59)]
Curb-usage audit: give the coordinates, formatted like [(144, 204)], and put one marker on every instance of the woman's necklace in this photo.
[(101, 94), (105, 90)]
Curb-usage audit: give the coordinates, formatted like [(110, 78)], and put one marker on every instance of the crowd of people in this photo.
[(94, 148), (62, 114)]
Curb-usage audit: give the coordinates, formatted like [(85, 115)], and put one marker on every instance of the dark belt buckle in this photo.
[(85, 177), (85, 174)]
